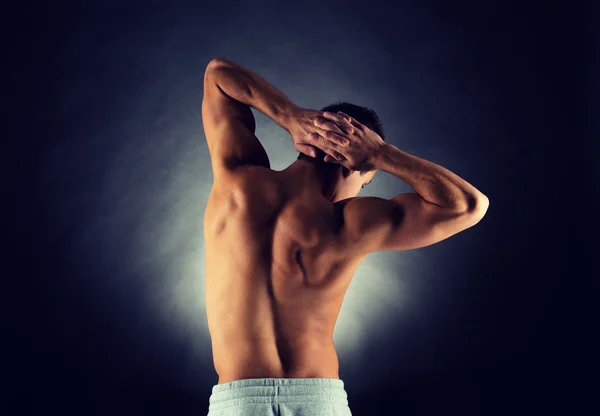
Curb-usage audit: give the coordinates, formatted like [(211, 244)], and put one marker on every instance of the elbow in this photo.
[(472, 205), (218, 63), (213, 66), (478, 206)]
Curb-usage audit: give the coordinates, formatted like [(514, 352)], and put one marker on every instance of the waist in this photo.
[(278, 391), (238, 361)]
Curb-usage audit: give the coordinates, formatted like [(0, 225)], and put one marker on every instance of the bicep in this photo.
[(229, 128), (404, 222)]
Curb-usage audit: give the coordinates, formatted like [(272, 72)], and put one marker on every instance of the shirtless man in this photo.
[(282, 246)]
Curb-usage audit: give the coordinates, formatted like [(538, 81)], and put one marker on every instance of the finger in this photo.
[(325, 145), (337, 158), (337, 139), (334, 117), (322, 127), (351, 120), (327, 125), (345, 116), (306, 149), (339, 125), (341, 122)]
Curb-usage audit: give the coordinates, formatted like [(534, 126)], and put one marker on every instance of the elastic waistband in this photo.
[(278, 390)]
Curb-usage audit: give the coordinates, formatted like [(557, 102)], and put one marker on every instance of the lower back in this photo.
[(248, 359)]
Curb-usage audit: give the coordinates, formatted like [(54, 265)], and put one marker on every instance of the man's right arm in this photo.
[(443, 205), (434, 183)]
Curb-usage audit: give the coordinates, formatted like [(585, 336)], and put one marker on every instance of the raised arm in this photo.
[(442, 205), (229, 92), (229, 125)]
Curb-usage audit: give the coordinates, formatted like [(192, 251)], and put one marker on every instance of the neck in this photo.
[(316, 176)]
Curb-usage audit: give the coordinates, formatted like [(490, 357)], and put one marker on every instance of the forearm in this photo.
[(251, 89), (432, 182)]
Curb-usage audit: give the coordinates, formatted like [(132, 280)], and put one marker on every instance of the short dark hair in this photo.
[(363, 115)]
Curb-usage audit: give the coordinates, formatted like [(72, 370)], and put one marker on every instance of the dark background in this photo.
[(108, 172)]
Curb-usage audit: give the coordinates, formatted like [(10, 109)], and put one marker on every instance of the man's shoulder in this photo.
[(250, 177), (253, 184)]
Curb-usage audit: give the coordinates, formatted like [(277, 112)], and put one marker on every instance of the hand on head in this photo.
[(303, 124), (346, 141)]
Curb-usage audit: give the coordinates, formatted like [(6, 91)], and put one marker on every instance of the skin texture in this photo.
[(282, 246)]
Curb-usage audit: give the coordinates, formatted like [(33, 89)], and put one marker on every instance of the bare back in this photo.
[(278, 257), (277, 270)]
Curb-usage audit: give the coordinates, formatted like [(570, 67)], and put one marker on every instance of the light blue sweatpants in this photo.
[(280, 397)]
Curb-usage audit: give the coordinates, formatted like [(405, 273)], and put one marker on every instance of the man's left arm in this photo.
[(229, 92)]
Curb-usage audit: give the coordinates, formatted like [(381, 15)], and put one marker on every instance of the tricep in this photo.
[(404, 222)]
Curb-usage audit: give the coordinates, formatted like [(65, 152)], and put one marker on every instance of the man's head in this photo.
[(350, 182)]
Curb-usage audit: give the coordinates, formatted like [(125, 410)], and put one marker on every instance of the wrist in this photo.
[(286, 115), (381, 156)]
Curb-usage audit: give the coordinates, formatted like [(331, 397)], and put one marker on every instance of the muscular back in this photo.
[(278, 258), (277, 269)]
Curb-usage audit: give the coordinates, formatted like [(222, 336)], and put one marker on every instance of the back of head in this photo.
[(363, 115)]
